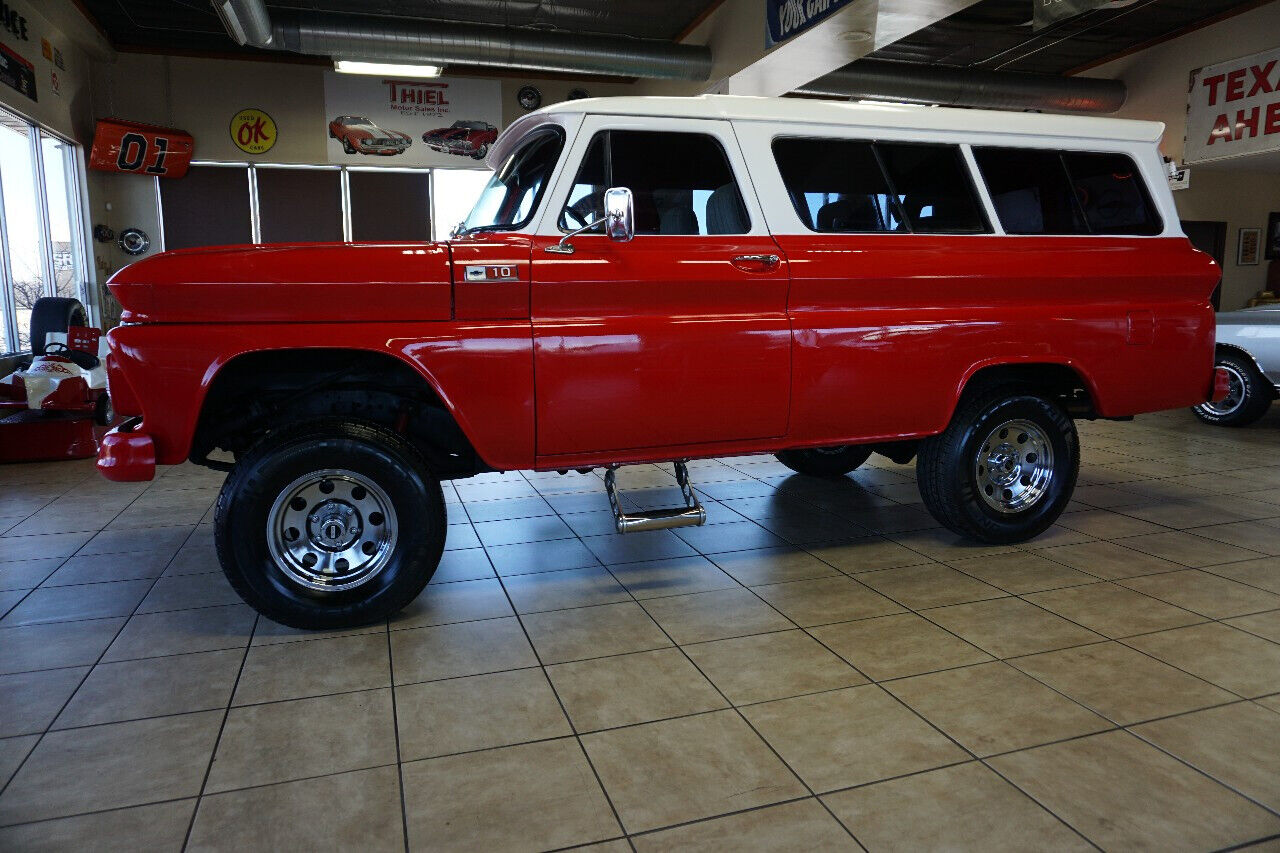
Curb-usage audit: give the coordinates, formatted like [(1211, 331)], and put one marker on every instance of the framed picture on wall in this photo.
[(1273, 236), (1250, 248)]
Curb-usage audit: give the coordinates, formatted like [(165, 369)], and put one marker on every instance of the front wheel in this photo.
[(330, 525), (1248, 396), (825, 461), (1003, 470)]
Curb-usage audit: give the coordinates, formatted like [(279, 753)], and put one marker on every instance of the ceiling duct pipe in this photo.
[(246, 21), (402, 40), (884, 80)]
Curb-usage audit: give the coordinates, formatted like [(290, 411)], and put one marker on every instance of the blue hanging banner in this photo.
[(787, 18)]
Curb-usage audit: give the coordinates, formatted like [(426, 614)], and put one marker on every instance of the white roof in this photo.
[(814, 111)]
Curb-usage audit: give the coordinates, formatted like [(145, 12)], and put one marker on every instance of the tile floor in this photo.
[(820, 667)]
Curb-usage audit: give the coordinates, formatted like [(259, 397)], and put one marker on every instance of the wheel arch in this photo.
[(245, 397), (1058, 380), (1236, 349)]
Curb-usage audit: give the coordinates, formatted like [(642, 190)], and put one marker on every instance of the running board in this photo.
[(691, 514)]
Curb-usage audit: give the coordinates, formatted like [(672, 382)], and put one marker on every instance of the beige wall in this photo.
[(68, 111), (1240, 194)]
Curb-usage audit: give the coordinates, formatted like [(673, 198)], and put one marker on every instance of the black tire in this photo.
[(825, 461), (103, 412), (1250, 398), (244, 514), (347, 146), (948, 466), (479, 153), (54, 314)]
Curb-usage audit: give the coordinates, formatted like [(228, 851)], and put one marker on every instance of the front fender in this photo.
[(482, 372)]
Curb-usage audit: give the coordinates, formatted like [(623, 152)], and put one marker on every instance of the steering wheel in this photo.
[(56, 347), (584, 210)]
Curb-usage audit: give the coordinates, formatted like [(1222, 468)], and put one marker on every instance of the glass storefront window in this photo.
[(64, 208), (40, 225), (23, 221)]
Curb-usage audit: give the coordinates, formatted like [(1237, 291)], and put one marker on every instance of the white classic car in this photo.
[(1249, 350)]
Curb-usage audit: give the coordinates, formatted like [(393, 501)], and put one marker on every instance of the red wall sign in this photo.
[(128, 146)]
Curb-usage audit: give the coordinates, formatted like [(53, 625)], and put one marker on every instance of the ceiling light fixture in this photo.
[(346, 66)]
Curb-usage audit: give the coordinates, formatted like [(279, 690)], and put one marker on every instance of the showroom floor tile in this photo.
[(820, 667)]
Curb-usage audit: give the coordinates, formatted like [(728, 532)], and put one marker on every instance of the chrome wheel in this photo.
[(332, 530), (1014, 467), (1235, 394)]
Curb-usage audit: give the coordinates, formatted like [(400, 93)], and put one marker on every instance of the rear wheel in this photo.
[(825, 461), (54, 314), (1248, 398), (1003, 470), (330, 525)]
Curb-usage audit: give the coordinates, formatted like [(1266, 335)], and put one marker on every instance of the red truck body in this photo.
[(679, 354)]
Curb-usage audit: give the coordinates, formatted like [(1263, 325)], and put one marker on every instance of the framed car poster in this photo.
[(431, 121)]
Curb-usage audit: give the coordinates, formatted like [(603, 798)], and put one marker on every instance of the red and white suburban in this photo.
[(660, 279)]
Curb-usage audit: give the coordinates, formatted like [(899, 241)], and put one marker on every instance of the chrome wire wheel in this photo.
[(332, 530), (1013, 468), (1235, 394)]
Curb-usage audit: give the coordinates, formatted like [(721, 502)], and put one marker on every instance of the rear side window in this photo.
[(837, 186), (1065, 192), (1112, 194), (932, 182), (1030, 191), (681, 182), (853, 186)]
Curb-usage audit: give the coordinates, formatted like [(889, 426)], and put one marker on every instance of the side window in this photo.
[(682, 183), (1030, 191), (836, 185), (932, 182), (1112, 194)]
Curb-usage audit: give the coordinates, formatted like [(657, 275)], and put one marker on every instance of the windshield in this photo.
[(513, 193)]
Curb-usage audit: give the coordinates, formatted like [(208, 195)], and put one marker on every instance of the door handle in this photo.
[(744, 262)]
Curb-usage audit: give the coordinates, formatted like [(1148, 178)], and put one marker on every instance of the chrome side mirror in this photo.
[(619, 221), (619, 214)]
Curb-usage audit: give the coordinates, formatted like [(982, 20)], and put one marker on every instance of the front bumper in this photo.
[(127, 455)]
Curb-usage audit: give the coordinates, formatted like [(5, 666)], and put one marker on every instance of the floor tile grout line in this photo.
[(395, 731), (1274, 810), (735, 709), (18, 769), (217, 741), (573, 728)]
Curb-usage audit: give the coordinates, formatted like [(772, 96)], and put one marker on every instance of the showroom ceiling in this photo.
[(997, 34), (993, 34), (193, 25)]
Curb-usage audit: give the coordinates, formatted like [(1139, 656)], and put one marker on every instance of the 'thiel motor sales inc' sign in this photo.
[(1234, 108)]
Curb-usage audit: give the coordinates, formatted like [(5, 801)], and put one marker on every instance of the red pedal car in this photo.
[(50, 404), (659, 279)]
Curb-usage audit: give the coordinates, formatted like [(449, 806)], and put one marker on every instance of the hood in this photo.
[(307, 283)]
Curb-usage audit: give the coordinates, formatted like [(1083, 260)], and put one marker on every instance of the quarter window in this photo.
[(681, 182), (1067, 192), (1112, 194)]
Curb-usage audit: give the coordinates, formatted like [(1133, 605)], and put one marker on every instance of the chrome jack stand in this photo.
[(691, 514)]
